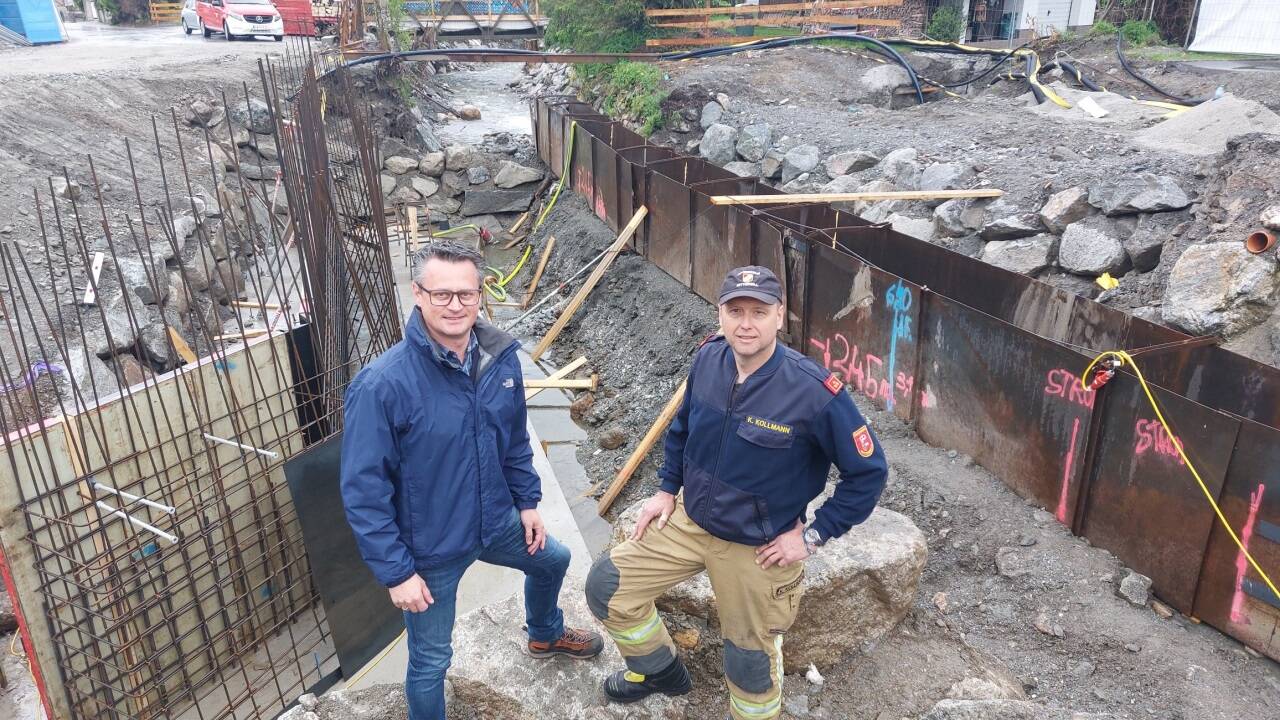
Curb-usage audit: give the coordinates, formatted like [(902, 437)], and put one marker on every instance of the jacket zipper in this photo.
[(724, 434), (475, 436)]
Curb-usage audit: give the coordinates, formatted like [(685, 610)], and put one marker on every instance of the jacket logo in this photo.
[(833, 384), (509, 383), (769, 425), (863, 442), (747, 277)]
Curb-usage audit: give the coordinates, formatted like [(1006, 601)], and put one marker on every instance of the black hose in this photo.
[(1083, 80), (1031, 74), (988, 71), (1124, 63)]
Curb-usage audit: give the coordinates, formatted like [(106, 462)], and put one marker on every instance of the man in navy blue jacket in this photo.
[(756, 435), (437, 472)]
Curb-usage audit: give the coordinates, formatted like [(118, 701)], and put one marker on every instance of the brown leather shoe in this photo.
[(575, 643)]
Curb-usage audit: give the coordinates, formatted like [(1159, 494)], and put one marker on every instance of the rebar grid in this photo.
[(224, 622)]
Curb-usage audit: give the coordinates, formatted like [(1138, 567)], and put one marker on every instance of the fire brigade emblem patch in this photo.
[(833, 384), (863, 442)]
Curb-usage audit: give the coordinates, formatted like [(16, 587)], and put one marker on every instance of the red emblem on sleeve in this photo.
[(863, 442), (833, 384)]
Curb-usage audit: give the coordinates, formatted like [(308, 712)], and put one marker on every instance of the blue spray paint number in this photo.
[(898, 299)]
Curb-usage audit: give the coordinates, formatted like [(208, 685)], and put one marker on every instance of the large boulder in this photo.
[(458, 157), (489, 202), (400, 164), (901, 168), (1024, 255), (511, 174), (945, 176), (488, 646), (254, 114), (754, 141), (771, 164), (877, 85), (1146, 243), (919, 228), (742, 168), (432, 164), (1219, 288), (1064, 208), (1132, 194), (145, 279), (711, 114), (799, 160), (851, 161), (719, 144), (1093, 246), (857, 588), (1012, 227), (957, 217)]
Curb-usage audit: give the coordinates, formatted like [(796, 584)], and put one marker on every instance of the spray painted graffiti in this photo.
[(898, 298), (1065, 384), (866, 373), (1150, 436), (1066, 472), (1242, 562)]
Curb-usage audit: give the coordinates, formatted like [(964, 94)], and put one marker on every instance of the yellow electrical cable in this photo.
[(1125, 358), (564, 175), (500, 281), (377, 660)]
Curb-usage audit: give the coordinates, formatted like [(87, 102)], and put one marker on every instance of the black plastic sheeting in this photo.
[(986, 362)]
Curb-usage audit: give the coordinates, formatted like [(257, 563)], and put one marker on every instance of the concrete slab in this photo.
[(575, 484), (555, 426), (551, 398)]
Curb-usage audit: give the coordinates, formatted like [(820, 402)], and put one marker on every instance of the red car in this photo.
[(237, 19)]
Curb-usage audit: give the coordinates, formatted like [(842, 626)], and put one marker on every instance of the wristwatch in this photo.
[(812, 540)]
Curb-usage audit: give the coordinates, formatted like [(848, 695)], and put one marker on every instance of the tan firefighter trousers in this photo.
[(756, 606)]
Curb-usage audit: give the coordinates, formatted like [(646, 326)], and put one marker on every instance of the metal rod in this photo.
[(173, 539), (232, 443), (135, 498), (557, 289)]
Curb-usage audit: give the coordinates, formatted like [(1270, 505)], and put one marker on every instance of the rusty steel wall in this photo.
[(984, 361)]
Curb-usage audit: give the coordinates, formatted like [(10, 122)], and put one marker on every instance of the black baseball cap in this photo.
[(751, 281)]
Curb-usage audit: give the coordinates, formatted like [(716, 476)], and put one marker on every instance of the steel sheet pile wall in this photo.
[(987, 362), (147, 532)]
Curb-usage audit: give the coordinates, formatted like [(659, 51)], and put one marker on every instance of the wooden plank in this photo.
[(781, 7), (623, 238), (682, 42), (563, 383), (851, 197), (180, 345), (783, 21), (658, 427), (563, 372), (256, 332), (537, 274)]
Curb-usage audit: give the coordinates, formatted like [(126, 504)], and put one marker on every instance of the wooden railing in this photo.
[(814, 15), (165, 12)]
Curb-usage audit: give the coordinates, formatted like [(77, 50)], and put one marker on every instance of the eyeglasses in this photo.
[(441, 298)]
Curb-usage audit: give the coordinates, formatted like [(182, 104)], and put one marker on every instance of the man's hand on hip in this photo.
[(412, 595), (658, 507), (783, 550), (535, 535)]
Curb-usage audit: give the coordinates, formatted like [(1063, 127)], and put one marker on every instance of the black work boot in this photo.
[(625, 686)]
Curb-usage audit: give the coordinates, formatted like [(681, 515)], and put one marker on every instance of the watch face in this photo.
[(811, 536)]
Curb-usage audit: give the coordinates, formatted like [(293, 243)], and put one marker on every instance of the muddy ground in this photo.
[(1096, 653)]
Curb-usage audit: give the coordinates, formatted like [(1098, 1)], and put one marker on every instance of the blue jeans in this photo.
[(430, 633)]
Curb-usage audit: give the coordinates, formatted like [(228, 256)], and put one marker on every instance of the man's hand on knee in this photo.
[(412, 595), (658, 507)]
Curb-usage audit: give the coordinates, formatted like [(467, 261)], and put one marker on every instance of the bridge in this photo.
[(448, 19)]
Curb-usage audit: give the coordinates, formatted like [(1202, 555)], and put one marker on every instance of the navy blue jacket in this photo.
[(432, 460), (751, 457)]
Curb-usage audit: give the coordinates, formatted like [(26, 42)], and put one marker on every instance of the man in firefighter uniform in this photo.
[(751, 447)]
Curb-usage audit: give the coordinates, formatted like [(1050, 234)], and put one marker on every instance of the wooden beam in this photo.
[(658, 427), (563, 383), (537, 274), (247, 334), (592, 280), (563, 372), (181, 346), (852, 197), (781, 7), (783, 21)]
